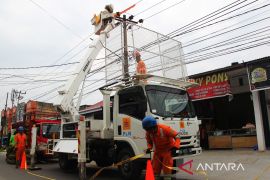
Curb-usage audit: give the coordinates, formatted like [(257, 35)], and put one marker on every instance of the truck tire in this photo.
[(10, 155), (130, 170), (10, 161), (65, 163)]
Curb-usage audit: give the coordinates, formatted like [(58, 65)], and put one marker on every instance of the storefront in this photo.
[(259, 80), (225, 104)]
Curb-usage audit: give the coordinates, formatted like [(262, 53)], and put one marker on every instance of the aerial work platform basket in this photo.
[(162, 55)]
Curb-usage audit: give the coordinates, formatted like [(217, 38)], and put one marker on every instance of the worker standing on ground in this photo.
[(20, 145), (12, 140), (141, 68), (165, 141)]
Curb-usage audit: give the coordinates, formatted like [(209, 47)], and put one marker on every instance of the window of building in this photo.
[(241, 82)]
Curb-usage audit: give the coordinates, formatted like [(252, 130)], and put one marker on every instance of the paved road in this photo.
[(50, 170), (256, 167)]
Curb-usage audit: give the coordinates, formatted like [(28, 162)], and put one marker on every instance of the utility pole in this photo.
[(19, 97), (125, 22), (4, 121), (125, 63), (12, 97)]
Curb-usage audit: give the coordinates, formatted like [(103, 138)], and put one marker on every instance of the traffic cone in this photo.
[(149, 171), (24, 162)]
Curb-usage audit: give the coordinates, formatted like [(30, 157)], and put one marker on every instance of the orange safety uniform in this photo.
[(163, 140), (141, 68), (20, 140)]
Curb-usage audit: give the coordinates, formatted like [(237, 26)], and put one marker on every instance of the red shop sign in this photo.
[(215, 85)]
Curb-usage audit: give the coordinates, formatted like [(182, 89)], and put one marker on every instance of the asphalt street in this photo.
[(51, 171), (254, 166)]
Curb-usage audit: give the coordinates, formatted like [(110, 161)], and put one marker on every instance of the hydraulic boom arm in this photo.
[(64, 100)]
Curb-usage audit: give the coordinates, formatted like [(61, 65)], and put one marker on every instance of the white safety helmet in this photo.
[(109, 8)]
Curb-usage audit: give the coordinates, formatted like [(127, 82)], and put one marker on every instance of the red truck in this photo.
[(45, 118)]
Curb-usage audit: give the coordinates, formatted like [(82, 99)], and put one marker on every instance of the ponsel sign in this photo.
[(259, 74), (210, 86)]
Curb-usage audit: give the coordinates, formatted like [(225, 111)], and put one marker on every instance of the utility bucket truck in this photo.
[(112, 131)]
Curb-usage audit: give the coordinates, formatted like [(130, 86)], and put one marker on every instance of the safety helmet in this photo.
[(149, 122), (136, 53), (20, 129), (109, 8)]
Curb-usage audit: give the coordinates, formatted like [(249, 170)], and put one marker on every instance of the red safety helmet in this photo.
[(136, 53)]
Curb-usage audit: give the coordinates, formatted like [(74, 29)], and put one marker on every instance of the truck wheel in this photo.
[(10, 155), (65, 163), (10, 161), (130, 170)]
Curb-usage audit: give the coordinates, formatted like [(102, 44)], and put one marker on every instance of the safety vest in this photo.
[(12, 140), (20, 140), (141, 68)]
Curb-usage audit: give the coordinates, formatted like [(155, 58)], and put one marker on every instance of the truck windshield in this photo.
[(169, 102), (51, 131)]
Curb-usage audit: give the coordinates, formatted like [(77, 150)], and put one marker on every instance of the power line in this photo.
[(217, 35), (198, 25), (164, 10), (191, 30), (205, 17), (244, 13), (37, 67), (232, 47), (230, 52), (220, 30), (239, 38), (47, 92), (147, 9), (230, 41), (55, 19)]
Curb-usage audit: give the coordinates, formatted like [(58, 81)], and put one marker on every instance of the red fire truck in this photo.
[(45, 118)]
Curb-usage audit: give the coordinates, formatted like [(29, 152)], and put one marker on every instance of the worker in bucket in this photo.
[(165, 141), (141, 68), (20, 145)]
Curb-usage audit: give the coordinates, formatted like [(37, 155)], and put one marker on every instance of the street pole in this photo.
[(18, 100), (4, 121), (125, 63), (12, 96), (82, 149)]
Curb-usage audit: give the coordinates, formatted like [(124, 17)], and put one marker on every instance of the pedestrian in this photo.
[(12, 139), (141, 68), (165, 141), (20, 145)]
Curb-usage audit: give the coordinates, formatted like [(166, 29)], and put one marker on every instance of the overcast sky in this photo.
[(31, 36)]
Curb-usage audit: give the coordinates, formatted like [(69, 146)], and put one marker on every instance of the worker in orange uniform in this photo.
[(20, 145), (165, 141), (141, 68)]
